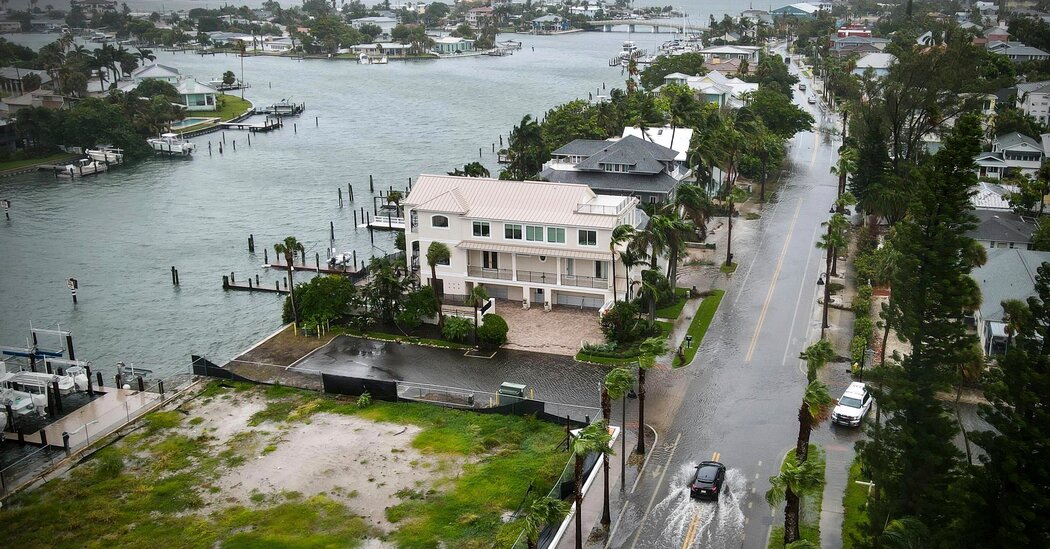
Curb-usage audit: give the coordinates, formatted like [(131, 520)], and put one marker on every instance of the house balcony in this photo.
[(484, 272), (585, 281), (537, 276)]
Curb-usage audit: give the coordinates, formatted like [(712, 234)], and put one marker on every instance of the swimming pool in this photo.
[(187, 122)]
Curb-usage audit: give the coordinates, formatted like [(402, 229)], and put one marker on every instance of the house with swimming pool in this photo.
[(196, 96), (538, 243)]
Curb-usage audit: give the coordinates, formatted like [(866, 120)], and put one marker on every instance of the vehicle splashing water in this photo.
[(694, 522)]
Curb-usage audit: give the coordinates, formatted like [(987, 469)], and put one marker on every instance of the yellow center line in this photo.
[(773, 284), (690, 532)]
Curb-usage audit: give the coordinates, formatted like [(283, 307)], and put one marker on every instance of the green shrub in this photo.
[(323, 297), (857, 348), (365, 400), (493, 330), (456, 328), (620, 323)]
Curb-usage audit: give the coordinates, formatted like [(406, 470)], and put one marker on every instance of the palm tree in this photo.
[(696, 206), (620, 235), (816, 406), (617, 383), (475, 298), (794, 480), (736, 195), (631, 258), (846, 165), (395, 197), (650, 290), (816, 356), (673, 231), (592, 438), (145, 55), (539, 513), (905, 533), (288, 249), (437, 252), (649, 350)]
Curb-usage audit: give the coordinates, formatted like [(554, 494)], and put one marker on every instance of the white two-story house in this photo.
[(544, 244), (1011, 151), (1033, 99)]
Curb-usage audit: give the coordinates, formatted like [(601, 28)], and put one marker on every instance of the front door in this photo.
[(490, 260), (537, 296)]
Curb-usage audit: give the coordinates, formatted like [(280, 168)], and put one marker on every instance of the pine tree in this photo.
[(911, 457), (1011, 492)]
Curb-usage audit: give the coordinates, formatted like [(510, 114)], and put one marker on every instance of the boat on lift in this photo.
[(171, 144), (81, 168), (106, 154)]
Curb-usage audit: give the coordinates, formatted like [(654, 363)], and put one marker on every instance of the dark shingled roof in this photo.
[(660, 183), (998, 226), (641, 155), (581, 147)]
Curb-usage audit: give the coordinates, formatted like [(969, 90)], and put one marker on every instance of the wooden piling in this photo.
[(317, 262), (371, 185), (340, 197), (234, 144), (225, 282), (350, 190), (316, 123), (266, 256), (224, 137), (251, 243), (331, 230), (355, 219), (174, 281), (295, 129), (355, 260)]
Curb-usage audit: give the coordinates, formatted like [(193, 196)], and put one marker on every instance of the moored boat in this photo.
[(172, 144), (82, 167), (106, 154)]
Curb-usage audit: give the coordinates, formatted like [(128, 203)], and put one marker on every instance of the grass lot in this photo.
[(16, 164), (232, 107), (152, 487), (403, 338), (728, 269), (672, 311), (809, 517), (854, 505), (701, 321), (587, 357)]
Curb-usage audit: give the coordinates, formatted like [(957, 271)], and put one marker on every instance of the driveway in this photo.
[(561, 331)]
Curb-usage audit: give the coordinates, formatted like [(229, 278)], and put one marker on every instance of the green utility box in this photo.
[(510, 393)]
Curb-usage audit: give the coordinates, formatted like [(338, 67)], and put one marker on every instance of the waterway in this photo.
[(120, 233)]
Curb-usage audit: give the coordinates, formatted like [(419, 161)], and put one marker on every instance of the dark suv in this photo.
[(708, 480)]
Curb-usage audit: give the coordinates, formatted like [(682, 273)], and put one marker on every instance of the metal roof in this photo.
[(1008, 274), (537, 202), (1013, 139)]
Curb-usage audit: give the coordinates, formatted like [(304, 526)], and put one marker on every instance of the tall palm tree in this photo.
[(395, 198), (437, 252), (289, 248), (794, 480), (649, 292), (816, 406), (475, 298), (816, 356), (649, 350), (144, 55), (620, 235), (631, 258), (539, 513), (736, 195), (847, 164), (695, 205), (675, 231), (593, 438), (617, 383)]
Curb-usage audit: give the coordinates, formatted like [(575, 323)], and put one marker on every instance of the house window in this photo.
[(490, 260), (414, 221), (598, 269), (588, 238), (439, 221), (511, 232), (481, 228), (556, 235), (533, 233)]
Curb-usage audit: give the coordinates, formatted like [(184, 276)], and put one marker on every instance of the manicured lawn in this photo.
[(151, 488), (404, 339), (672, 311), (583, 356), (809, 516), (16, 164), (728, 269), (854, 506), (233, 106), (701, 321)]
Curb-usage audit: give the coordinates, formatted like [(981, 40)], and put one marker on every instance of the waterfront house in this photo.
[(278, 45), (197, 96), (1008, 274), (1002, 229), (1013, 151), (800, 11), (156, 71), (538, 243), (746, 53), (550, 23), (385, 23), (12, 83), (879, 63), (10, 26), (392, 49), (36, 98), (451, 45), (626, 166)]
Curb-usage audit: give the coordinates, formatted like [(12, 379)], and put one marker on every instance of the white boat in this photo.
[(171, 143), (82, 167), (21, 402), (340, 260), (106, 154), (365, 59), (628, 51), (283, 107), (66, 384)]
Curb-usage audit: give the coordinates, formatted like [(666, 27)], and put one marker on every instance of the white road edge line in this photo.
[(798, 301), (619, 516), (659, 483)]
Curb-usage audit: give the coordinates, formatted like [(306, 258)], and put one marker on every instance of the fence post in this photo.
[(43, 438), (65, 442), (160, 387), (568, 435)]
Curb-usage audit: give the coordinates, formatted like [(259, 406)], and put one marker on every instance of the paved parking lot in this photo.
[(561, 331)]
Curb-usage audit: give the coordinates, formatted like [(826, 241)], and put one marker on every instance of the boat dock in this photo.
[(228, 283), (283, 108), (318, 267), (268, 125), (384, 223)]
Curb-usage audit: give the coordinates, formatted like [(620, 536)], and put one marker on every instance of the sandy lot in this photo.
[(361, 463)]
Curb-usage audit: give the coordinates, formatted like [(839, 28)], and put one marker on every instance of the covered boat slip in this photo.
[(98, 417)]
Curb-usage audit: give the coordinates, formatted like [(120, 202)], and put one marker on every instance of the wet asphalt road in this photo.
[(738, 400)]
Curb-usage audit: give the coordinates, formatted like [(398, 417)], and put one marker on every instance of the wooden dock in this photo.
[(227, 284), (317, 267), (384, 223), (267, 126)]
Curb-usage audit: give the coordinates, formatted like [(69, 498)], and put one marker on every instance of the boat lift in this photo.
[(32, 353), (66, 334)]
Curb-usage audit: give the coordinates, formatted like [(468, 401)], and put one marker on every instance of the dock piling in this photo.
[(355, 260), (220, 148), (249, 284), (295, 129), (340, 197), (249, 139), (224, 137), (98, 378), (160, 386), (501, 140), (225, 282), (317, 262), (350, 191), (493, 147), (10, 417), (58, 396), (174, 277), (90, 390), (266, 256), (316, 123), (234, 144), (277, 285), (209, 148), (355, 219), (65, 441), (119, 381), (479, 152), (331, 230), (371, 185), (251, 243), (142, 384), (256, 279), (233, 279)]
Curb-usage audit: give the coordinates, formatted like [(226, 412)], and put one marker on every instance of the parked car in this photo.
[(852, 406), (812, 100), (802, 87), (708, 480)]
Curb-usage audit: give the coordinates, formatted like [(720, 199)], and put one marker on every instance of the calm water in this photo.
[(119, 233)]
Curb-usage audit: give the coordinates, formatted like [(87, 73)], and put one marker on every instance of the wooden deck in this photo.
[(316, 268), (267, 126)]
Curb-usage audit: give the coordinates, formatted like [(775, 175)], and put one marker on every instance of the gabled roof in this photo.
[(876, 61), (581, 147), (611, 182), (991, 196), (996, 30), (1023, 50), (537, 202), (1014, 140), (1008, 274), (189, 86), (676, 139), (988, 159), (1029, 87), (1002, 227), (642, 156), (155, 70)]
